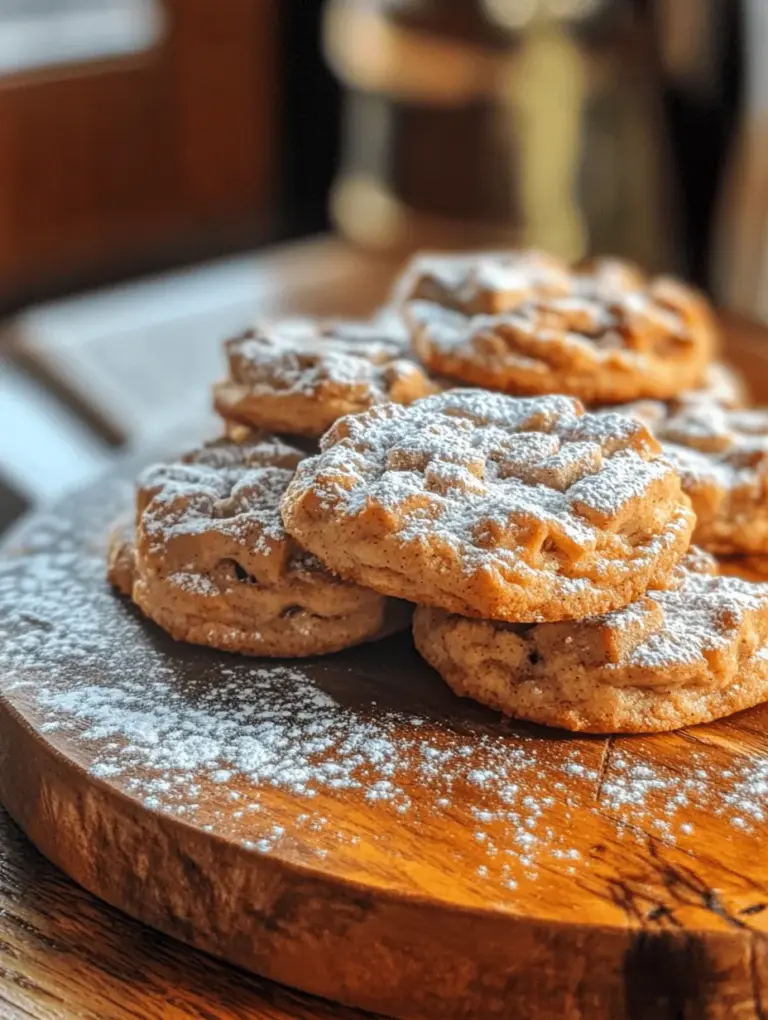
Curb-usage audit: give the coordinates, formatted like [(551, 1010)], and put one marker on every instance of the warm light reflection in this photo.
[(516, 14)]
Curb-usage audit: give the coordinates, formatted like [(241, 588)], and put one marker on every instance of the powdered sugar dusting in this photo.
[(625, 477), (467, 280), (227, 490), (297, 356), (490, 304), (701, 616), (710, 444), (495, 484), (227, 743)]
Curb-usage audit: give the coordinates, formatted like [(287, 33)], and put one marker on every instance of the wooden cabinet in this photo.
[(119, 165)]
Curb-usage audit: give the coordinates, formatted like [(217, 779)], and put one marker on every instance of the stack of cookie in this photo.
[(207, 556), (299, 376), (547, 548)]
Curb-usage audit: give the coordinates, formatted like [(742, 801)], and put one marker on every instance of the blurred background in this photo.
[(170, 169)]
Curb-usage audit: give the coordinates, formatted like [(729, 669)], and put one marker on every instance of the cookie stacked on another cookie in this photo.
[(547, 550), (546, 547), (511, 509), (528, 323), (299, 376), (603, 331), (209, 561)]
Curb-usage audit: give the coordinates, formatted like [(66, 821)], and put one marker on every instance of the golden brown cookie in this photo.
[(750, 568), (211, 563), (300, 376), (722, 458), (121, 558), (722, 385), (689, 654), (481, 283), (491, 506), (524, 322)]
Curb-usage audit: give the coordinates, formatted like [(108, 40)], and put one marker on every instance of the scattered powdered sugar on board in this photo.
[(149, 719)]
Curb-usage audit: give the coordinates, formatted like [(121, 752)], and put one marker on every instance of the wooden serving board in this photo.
[(349, 827)]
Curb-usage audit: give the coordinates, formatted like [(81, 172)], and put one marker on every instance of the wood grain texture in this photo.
[(65, 955), (442, 910)]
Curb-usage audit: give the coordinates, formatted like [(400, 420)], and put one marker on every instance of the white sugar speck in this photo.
[(160, 726)]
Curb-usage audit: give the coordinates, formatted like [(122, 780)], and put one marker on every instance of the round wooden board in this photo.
[(347, 826)]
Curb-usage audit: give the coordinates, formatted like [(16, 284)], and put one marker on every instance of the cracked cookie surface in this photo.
[(527, 323), (491, 506), (210, 562), (300, 376), (721, 455)]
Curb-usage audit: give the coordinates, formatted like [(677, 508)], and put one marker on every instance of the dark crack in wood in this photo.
[(602, 770)]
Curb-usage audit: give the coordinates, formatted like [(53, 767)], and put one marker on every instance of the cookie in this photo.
[(211, 563), (722, 458), (300, 376), (527, 323), (481, 283), (721, 385), (750, 568), (121, 558), (689, 654), (491, 506)]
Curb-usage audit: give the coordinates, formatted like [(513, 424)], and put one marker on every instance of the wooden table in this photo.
[(63, 954)]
